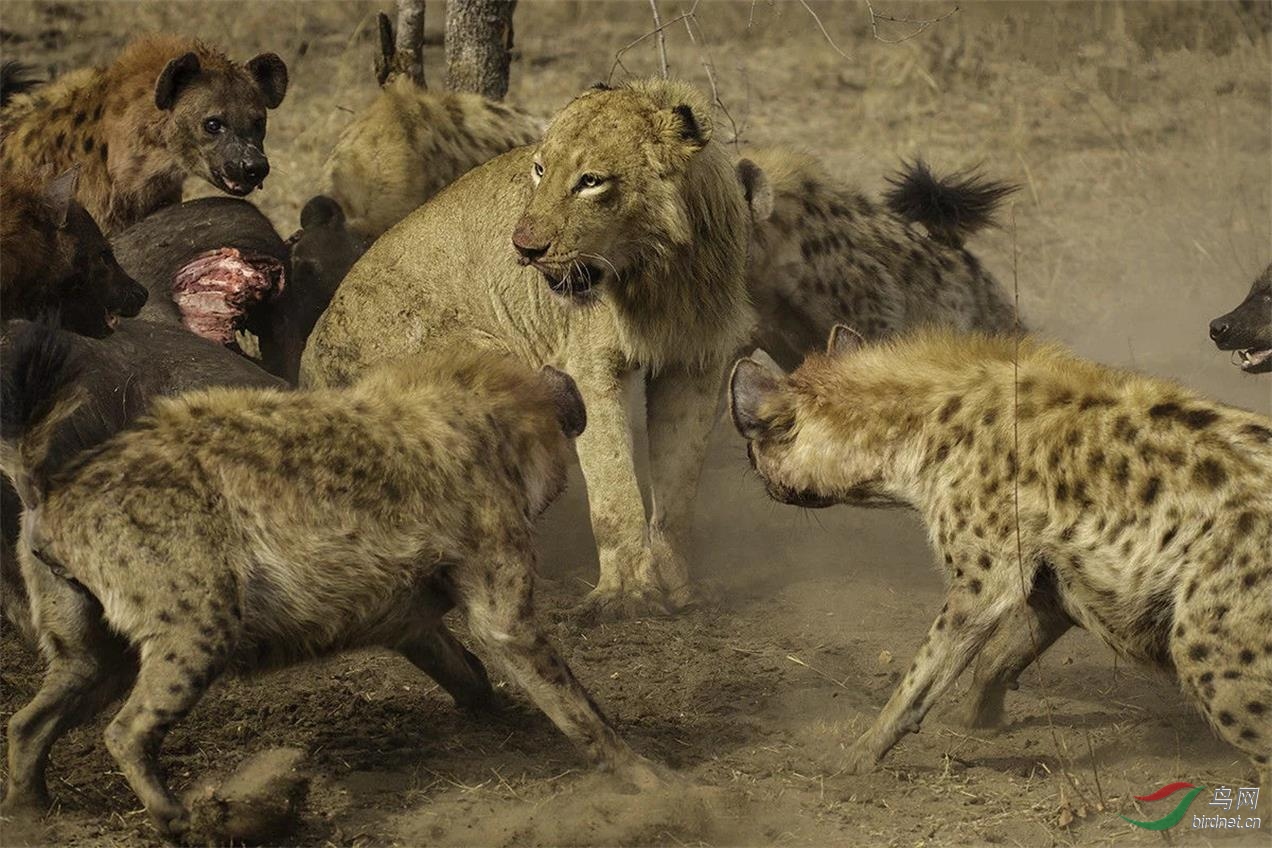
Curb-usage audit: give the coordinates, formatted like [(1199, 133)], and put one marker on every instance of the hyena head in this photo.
[(217, 116), (813, 443), (62, 262), (1248, 328)]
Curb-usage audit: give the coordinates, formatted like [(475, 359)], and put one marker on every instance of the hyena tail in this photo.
[(14, 79), (951, 207), (39, 388)]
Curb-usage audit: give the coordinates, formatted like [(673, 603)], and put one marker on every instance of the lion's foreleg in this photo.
[(682, 408), (628, 584)]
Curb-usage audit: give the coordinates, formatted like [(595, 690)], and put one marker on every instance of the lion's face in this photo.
[(606, 190)]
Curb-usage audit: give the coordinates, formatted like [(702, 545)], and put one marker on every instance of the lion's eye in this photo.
[(589, 181), (538, 169), (213, 126)]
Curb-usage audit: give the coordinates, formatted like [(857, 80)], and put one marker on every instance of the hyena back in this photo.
[(823, 252), (1145, 511), (235, 529)]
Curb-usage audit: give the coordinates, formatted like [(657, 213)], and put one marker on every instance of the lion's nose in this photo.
[(531, 249)]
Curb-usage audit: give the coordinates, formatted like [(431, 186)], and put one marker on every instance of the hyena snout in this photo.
[(250, 170)]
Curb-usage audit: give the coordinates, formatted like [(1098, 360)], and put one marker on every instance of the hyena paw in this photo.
[(647, 775), (858, 759), (24, 801)]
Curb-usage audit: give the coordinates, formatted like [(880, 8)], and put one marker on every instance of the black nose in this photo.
[(136, 299), (254, 170), (1219, 329)]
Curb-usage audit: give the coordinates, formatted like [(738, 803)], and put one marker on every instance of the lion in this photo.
[(626, 261)]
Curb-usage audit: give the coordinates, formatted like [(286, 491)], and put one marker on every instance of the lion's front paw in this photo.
[(622, 605)]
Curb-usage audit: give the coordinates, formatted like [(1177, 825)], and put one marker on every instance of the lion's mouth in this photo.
[(1253, 360), (576, 281)]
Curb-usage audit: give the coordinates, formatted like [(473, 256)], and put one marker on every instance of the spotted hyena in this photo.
[(167, 108), (236, 529), (823, 252), (1144, 511), (1247, 330), (54, 260)]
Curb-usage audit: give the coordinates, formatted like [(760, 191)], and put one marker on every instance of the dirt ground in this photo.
[(1141, 135)]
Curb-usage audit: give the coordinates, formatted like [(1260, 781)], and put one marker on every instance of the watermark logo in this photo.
[(1222, 796), (1174, 816)]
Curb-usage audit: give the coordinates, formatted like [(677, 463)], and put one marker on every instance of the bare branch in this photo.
[(618, 57), (821, 27), (662, 38), (709, 66), (921, 23)]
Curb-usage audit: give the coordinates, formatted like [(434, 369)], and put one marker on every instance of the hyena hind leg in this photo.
[(88, 668), (439, 654)]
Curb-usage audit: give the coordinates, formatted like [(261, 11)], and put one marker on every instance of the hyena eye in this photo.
[(213, 126)]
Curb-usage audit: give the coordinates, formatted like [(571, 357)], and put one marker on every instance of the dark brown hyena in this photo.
[(1247, 330), (54, 259), (823, 253), (1145, 511), (239, 528), (167, 108)]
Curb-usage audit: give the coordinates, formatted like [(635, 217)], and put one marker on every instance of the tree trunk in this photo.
[(479, 46)]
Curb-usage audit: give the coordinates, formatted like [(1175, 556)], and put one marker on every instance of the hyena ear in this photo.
[(843, 340), (321, 211), (750, 386), (756, 189), (59, 194), (270, 73), (571, 411), (177, 74)]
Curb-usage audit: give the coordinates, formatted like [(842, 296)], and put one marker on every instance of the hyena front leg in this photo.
[(1023, 636), (683, 407), (964, 625), (178, 663), (497, 601), (439, 654)]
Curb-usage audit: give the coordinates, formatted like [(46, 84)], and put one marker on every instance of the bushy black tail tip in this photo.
[(952, 207), (15, 78)]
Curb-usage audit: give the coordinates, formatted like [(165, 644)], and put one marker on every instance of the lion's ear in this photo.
[(682, 133)]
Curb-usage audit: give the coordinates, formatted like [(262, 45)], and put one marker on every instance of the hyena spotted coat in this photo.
[(166, 108), (823, 252), (1145, 511), (240, 528)]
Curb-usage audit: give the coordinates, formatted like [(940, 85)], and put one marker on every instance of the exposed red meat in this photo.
[(215, 290)]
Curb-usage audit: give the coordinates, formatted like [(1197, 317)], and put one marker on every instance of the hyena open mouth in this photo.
[(1253, 360)]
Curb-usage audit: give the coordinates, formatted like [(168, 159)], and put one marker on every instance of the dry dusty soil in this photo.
[(1141, 136)]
